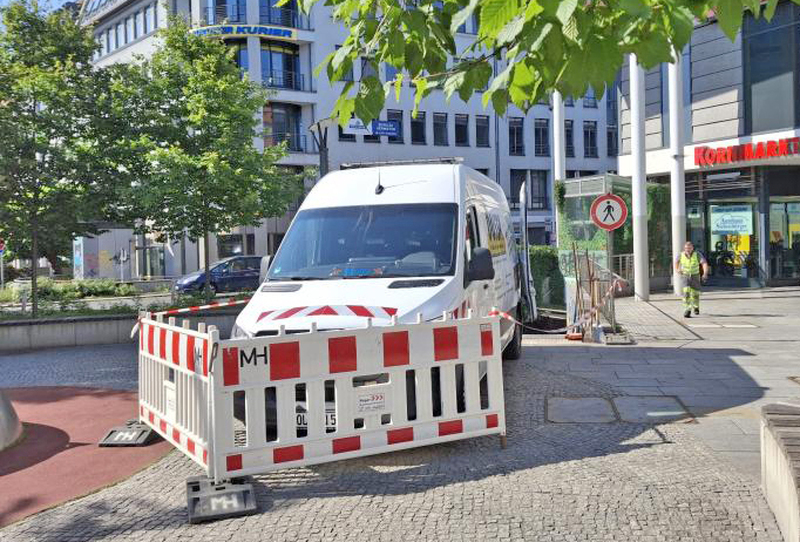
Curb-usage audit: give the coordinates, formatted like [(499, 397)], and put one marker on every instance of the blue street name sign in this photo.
[(386, 128)]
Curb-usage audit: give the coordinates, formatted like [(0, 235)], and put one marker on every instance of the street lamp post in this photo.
[(319, 131)]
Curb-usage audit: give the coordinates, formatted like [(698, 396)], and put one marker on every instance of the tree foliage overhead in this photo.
[(196, 116), (538, 46), (48, 93)]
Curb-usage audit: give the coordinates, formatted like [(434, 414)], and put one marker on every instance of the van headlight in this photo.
[(239, 333)]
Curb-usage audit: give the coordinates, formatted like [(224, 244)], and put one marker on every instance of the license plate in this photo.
[(302, 418)]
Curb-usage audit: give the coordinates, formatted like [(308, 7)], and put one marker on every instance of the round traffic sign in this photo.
[(609, 212)]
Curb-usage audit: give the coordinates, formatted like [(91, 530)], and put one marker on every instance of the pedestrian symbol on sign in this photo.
[(609, 212)]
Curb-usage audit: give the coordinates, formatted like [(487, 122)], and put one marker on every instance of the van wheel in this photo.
[(514, 349)]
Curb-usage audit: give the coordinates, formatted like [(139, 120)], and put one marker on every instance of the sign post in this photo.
[(2, 257), (609, 212)]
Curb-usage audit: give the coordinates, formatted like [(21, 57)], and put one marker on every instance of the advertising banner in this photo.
[(731, 219)]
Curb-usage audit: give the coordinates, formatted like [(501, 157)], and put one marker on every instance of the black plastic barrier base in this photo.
[(207, 501), (132, 433)]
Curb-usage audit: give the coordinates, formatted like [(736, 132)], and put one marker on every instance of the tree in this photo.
[(539, 45), (198, 118), (48, 95)]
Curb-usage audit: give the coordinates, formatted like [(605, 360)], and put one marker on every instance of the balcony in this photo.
[(290, 18), (287, 80), (223, 13), (296, 143)]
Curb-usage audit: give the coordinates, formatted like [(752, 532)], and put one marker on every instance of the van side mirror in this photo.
[(262, 273), (480, 266)]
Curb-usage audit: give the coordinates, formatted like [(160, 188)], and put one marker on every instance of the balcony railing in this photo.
[(223, 13), (534, 204), (284, 17), (294, 142), (289, 80)]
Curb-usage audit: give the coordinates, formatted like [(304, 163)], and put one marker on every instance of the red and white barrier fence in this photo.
[(248, 406)]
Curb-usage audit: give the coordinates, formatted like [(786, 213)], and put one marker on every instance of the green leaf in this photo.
[(565, 10), (463, 15), (637, 8), (532, 10), (770, 9), (729, 15), (495, 14), (510, 31)]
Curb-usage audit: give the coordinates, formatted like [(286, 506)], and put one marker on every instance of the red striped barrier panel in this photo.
[(249, 406)]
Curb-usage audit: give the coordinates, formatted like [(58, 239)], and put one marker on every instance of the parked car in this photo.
[(232, 274)]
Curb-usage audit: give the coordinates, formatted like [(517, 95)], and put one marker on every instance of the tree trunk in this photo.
[(207, 287), (34, 266)]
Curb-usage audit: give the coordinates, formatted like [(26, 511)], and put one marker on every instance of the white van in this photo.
[(374, 242)]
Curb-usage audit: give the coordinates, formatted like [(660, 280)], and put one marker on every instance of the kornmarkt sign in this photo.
[(710, 156)]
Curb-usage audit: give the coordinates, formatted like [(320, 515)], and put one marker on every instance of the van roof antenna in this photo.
[(379, 188)]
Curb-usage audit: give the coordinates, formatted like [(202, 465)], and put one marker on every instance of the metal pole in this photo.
[(2, 271), (677, 174), (559, 151), (641, 267)]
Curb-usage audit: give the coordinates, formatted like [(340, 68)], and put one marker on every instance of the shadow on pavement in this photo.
[(39, 443)]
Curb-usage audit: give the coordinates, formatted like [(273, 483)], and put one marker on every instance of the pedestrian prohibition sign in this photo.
[(609, 212)]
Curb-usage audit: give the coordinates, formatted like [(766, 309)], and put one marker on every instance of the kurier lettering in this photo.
[(707, 156)]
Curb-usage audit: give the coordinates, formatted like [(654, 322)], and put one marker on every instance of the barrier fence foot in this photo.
[(503, 442), (207, 501), (132, 433)]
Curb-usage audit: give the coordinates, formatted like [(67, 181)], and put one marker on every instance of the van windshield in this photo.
[(407, 240)]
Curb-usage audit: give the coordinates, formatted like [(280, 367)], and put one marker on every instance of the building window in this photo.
[(518, 177), (590, 138), (483, 170), (482, 131), (348, 75), (345, 137), (569, 139), (589, 100), (516, 141), (540, 199), (440, 129), (372, 138), (541, 142), (280, 66), (418, 128), (129, 30), (368, 68), (138, 26), (611, 141), (149, 19), (287, 15), (240, 56), (395, 115), (771, 70), (119, 37), (282, 124), (462, 130), (569, 102)]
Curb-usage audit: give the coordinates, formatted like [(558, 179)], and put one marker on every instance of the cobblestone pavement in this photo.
[(554, 482), (104, 366)]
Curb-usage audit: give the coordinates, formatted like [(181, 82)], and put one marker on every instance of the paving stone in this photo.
[(579, 410), (649, 409)]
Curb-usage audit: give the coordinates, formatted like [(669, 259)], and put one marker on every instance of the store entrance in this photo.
[(725, 232)]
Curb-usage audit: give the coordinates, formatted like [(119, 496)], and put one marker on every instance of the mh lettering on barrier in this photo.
[(126, 435), (223, 503), (708, 156), (253, 356)]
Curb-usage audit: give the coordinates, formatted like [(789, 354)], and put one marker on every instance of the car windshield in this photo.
[(368, 242)]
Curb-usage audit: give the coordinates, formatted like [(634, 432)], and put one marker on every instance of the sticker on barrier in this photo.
[(247, 406)]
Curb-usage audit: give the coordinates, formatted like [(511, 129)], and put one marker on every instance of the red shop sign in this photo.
[(709, 156)]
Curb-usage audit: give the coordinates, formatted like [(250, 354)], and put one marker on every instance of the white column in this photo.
[(559, 151), (677, 184), (641, 259)]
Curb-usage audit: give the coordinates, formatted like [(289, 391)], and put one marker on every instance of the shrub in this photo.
[(544, 265)]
